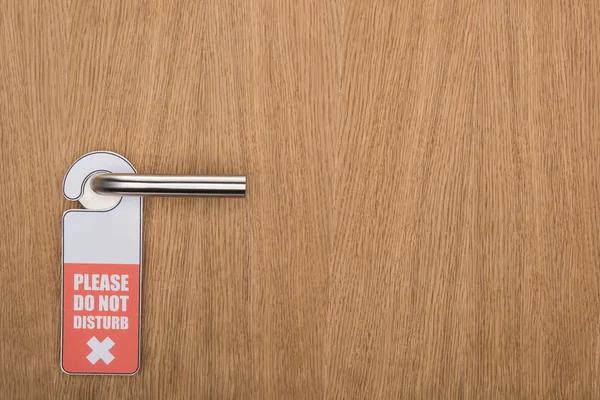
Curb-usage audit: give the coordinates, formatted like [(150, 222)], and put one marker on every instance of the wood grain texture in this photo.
[(422, 212), (32, 122), (403, 205)]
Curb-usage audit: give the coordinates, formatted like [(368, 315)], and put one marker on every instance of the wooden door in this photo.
[(422, 217)]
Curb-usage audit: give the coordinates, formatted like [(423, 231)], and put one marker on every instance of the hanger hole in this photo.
[(94, 201)]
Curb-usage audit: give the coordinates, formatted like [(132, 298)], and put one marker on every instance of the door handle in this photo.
[(169, 185)]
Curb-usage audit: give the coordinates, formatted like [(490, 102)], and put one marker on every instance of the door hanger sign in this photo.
[(101, 273)]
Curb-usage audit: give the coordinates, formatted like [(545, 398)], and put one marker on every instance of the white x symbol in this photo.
[(100, 350)]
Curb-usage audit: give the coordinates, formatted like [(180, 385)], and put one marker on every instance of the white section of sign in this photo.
[(101, 237), (100, 350), (104, 237)]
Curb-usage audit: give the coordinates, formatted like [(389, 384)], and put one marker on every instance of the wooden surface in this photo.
[(422, 218)]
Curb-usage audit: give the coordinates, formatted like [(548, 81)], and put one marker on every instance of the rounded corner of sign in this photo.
[(137, 369), (67, 212), (64, 370), (68, 215)]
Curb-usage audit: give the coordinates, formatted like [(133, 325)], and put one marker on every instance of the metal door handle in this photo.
[(169, 185)]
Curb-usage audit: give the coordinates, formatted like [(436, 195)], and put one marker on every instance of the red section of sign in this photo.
[(101, 313)]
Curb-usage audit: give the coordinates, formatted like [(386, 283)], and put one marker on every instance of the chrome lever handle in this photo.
[(168, 185)]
